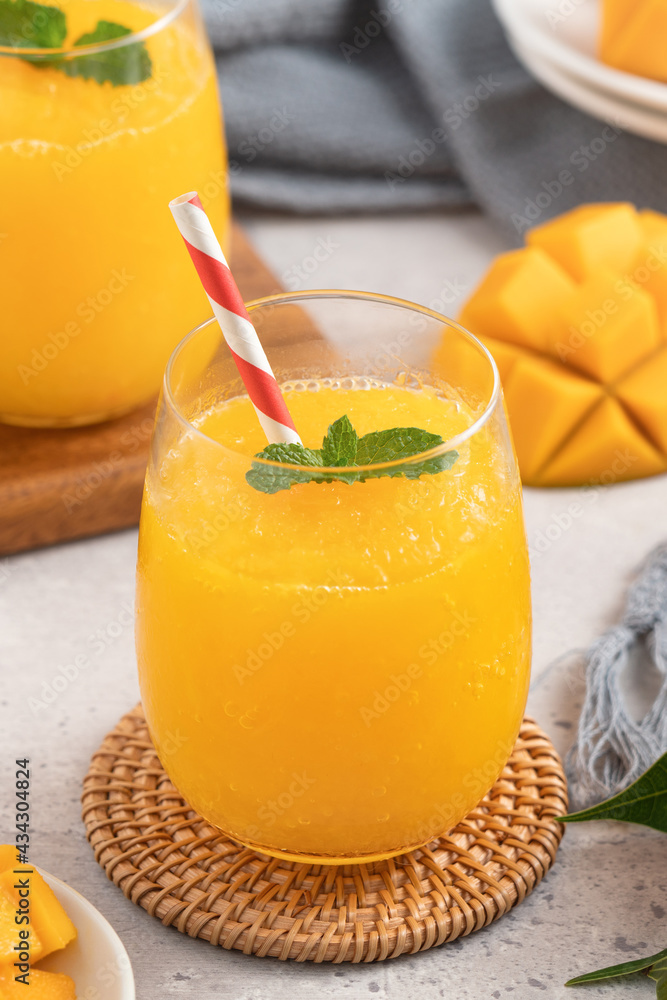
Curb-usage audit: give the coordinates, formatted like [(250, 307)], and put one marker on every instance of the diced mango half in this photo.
[(636, 43), (586, 385), (42, 986), (514, 299), (48, 920), (606, 327), (590, 238)]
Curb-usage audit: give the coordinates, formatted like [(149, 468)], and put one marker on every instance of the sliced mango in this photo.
[(605, 327), (644, 394), (586, 388), (9, 932), (48, 920), (605, 448), (638, 45), (615, 15), (590, 238), (8, 857), (513, 301), (42, 986), (556, 401)]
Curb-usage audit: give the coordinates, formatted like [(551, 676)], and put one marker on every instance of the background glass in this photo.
[(95, 283), (336, 672)]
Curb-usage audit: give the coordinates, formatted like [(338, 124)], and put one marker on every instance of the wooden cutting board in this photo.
[(57, 485)]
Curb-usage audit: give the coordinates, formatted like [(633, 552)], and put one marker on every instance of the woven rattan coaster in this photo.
[(167, 859)]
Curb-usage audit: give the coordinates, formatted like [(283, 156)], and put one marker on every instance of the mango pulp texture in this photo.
[(577, 324), (633, 37), (50, 930)]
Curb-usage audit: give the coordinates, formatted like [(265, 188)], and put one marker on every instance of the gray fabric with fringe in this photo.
[(613, 748)]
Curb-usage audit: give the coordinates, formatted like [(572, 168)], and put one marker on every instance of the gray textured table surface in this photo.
[(605, 899)]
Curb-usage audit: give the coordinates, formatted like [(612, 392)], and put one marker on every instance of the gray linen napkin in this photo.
[(344, 105)]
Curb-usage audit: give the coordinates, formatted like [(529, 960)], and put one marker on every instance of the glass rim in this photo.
[(117, 43), (339, 293)]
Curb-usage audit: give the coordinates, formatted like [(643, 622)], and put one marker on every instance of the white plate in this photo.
[(96, 960), (569, 42), (627, 116)]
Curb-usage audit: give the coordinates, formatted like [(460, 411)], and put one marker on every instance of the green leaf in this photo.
[(659, 974), (125, 65), (27, 25), (644, 802), (340, 445), (402, 442), (271, 479), (654, 965), (342, 448)]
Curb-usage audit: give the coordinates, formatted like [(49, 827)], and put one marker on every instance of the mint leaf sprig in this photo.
[(24, 24), (342, 448)]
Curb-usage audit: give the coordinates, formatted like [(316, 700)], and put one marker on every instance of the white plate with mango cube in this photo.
[(74, 951), (611, 49)]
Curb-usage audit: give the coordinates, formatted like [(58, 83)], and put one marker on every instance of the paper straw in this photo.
[(231, 314)]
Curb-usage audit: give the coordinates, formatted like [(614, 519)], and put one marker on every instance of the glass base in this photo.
[(326, 859)]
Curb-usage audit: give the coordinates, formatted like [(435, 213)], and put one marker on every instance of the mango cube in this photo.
[(644, 394), (8, 857), (513, 301), (615, 15), (605, 448), (42, 986), (635, 43), (556, 401), (586, 385), (48, 920), (590, 238), (605, 327)]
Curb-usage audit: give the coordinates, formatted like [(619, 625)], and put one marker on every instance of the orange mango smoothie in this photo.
[(94, 290), (333, 671)]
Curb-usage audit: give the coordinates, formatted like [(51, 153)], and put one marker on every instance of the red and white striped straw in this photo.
[(231, 314)]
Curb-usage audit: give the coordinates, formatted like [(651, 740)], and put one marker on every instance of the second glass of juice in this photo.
[(94, 284), (336, 671)]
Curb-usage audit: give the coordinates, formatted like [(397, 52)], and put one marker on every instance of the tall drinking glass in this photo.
[(94, 287), (335, 671)]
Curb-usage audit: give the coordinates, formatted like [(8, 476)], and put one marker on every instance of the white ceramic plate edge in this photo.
[(630, 118), (629, 87)]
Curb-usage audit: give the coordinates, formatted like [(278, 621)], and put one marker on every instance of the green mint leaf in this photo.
[(340, 445), (270, 479), (654, 965), (402, 442), (644, 802), (125, 65), (27, 25), (342, 448)]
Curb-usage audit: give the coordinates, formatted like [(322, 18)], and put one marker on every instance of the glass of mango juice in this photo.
[(97, 131), (334, 661)]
